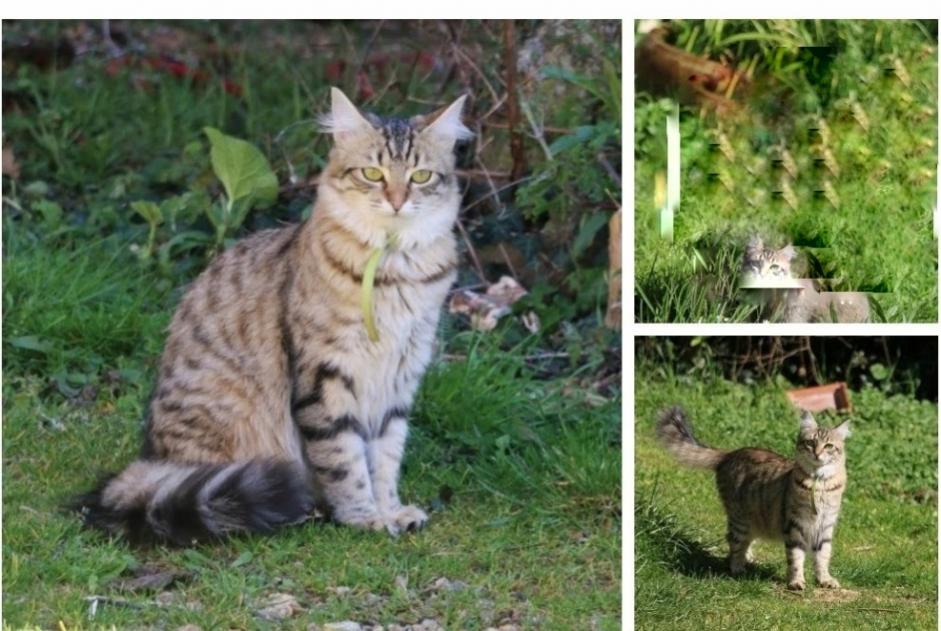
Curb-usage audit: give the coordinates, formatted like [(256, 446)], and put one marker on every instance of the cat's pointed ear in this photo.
[(445, 123), (808, 424), (842, 430), (788, 251), (343, 119)]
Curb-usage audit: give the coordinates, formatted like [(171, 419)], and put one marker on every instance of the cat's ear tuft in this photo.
[(446, 123), (842, 430), (343, 119), (788, 252), (808, 424)]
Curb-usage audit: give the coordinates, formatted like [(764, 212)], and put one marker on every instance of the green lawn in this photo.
[(877, 97), (885, 547), (525, 480)]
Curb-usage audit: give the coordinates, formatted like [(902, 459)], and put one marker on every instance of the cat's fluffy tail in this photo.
[(676, 435), (162, 501)]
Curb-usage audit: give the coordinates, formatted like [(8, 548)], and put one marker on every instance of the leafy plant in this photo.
[(247, 178)]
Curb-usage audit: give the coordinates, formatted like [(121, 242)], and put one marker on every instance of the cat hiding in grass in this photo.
[(768, 496), (785, 298), (285, 383)]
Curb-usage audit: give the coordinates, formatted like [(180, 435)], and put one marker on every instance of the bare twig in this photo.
[(472, 252), (493, 189), (480, 73), (549, 130), (517, 152), (510, 184), (537, 130), (877, 609), (509, 263), (610, 170), (479, 174)]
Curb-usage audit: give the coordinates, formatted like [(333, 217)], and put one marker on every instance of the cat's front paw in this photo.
[(829, 583), (364, 520), (796, 585), (406, 519)]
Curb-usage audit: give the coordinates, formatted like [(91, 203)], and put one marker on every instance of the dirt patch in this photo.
[(835, 595)]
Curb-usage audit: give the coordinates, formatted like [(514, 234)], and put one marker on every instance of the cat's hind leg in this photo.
[(740, 539)]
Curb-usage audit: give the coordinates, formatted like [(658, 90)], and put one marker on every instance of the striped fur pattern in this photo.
[(271, 398), (762, 262), (768, 496), (804, 304)]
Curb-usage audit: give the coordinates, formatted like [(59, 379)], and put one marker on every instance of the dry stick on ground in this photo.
[(612, 318), (517, 152), (538, 132), (509, 263), (472, 252), (610, 170)]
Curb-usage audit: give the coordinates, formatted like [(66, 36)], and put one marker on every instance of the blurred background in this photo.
[(102, 117)]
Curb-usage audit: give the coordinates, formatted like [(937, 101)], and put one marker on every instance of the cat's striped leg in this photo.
[(822, 550), (794, 545), (739, 538), (335, 443), (385, 452)]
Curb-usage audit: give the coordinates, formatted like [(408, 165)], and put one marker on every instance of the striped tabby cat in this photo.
[(772, 497), (271, 396), (763, 271)]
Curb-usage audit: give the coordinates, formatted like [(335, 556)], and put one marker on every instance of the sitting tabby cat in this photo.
[(769, 496), (764, 268), (271, 395)]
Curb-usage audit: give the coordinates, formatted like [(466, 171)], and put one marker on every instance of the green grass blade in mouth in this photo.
[(366, 297)]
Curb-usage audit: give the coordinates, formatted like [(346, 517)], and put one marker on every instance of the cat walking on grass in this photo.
[(768, 496), (288, 377)]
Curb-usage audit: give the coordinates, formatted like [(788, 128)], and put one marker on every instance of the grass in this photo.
[(518, 472), (520, 466), (885, 547), (874, 236)]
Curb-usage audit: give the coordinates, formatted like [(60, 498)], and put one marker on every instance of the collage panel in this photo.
[(785, 482), (785, 171), (312, 323)]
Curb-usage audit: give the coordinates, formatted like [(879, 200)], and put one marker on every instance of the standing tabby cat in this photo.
[(271, 395), (772, 497)]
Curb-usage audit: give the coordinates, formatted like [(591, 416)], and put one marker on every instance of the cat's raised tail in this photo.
[(676, 435), (161, 501)]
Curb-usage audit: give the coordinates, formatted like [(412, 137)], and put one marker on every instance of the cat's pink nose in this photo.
[(397, 197)]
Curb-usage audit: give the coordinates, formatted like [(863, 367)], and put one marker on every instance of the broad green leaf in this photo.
[(31, 343), (149, 211), (242, 169), (577, 137)]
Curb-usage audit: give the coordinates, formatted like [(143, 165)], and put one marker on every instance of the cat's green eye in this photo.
[(372, 174), (828, 446), (421, 176)]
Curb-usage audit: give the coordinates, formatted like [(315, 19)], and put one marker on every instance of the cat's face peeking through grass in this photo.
[(393, 167), (767, 263), (819, 447)]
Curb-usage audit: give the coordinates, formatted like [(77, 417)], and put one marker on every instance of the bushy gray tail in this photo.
[(676, 435), (159, 501)]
